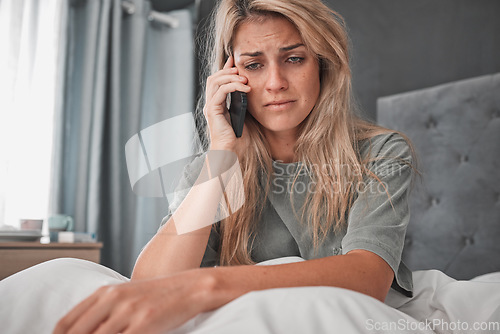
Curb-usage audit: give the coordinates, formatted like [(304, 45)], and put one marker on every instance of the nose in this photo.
[(276, 80)]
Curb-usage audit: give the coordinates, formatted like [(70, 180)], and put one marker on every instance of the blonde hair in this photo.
[(329, 136)]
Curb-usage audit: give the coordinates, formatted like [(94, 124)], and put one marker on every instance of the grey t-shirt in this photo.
[(375, 223)]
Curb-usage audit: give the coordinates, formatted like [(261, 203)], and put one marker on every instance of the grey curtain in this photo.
[(123, 74)]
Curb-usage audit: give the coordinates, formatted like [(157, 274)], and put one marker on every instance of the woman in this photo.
[(291, 58)]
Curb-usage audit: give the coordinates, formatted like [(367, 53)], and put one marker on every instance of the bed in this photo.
[(452, 242), (455, 223)]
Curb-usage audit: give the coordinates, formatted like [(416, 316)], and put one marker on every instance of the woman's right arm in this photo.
[(169, 251), (181, 242)]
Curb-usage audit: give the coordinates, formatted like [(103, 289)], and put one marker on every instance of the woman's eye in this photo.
[(295, 60), (252, 67)]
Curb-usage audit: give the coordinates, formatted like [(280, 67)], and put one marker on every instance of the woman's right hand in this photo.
[(220, 84)]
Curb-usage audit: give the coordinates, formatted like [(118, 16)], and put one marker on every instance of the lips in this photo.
[(277, 103)]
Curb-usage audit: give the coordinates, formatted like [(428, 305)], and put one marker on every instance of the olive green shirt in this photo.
[(376, 222)]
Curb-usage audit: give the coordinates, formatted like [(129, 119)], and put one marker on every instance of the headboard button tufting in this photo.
[(468, 241), (431, 124), (455, 211)]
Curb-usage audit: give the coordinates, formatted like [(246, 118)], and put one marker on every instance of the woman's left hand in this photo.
[(149, 306)]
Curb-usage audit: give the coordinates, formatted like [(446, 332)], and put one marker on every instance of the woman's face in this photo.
[(283, 74)]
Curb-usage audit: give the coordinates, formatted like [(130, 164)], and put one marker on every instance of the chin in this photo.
[(279, 127), (278, 124)]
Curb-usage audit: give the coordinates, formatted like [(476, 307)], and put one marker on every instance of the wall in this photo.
[(403, 45)]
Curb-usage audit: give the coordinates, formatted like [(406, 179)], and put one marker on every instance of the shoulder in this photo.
[(386, 146)]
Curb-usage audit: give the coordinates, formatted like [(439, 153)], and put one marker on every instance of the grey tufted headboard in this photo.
[(455, 208)]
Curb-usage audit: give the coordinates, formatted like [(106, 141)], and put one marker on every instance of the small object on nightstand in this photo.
[(31, 224), (61, 223), (58, 223), (66, 236), (10, 233)]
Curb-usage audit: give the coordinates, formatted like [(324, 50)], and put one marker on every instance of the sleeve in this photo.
[(190, 174), (379, 217)]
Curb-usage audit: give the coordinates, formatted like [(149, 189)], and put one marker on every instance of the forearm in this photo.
[(356, 271), (169, 252), (142, 306), (180, 244)]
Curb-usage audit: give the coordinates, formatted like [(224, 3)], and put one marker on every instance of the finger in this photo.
[(69, 319), (220, 95), (133, 330), (229, 62), (222, 75), (114, 324), (216, 82), (141, 330), (224, 71), (93, 317), (223, 79)]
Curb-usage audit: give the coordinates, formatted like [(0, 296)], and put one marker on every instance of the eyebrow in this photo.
[(283, 49)]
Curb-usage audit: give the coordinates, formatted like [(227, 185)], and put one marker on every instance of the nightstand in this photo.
[(17, 256)]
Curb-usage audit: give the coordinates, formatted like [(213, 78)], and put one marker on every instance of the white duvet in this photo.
[(33, 300)]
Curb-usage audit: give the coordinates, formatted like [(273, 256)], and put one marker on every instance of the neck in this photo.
[(282, 145)]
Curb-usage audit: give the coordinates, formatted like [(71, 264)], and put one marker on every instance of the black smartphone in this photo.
[(237, 111)]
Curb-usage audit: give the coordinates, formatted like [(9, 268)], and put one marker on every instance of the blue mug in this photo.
[(58, 223)]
